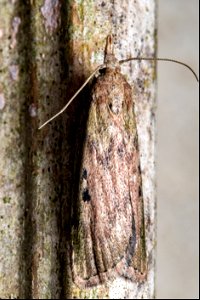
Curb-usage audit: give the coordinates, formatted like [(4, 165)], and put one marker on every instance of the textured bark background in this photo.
[(47, 49)]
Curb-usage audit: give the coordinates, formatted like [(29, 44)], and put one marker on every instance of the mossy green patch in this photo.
[(6, 199)]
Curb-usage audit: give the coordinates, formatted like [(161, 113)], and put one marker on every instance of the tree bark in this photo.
[(48, 48)]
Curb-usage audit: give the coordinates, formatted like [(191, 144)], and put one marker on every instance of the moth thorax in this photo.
[(111, 61), (116, 102)]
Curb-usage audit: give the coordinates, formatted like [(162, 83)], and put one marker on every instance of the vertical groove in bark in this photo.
[(26, 90), (48, 49)]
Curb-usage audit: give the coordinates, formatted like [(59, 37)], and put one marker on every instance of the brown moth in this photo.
[(110, 236)]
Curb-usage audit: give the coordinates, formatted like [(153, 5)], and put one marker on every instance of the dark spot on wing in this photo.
[(120, 151), (84, 174), (131, 246), (86, 196), (140, 191)]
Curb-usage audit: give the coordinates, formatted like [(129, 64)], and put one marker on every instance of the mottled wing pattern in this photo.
[(110, 235)]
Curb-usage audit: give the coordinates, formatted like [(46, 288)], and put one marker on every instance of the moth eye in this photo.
[(86, 196)]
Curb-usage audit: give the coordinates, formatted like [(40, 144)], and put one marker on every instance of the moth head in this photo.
[(110, 60)]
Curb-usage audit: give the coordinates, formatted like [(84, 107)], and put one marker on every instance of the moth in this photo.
[(109, 237)]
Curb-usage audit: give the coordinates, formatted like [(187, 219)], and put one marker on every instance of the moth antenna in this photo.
[(161, 59), (74, 96), (109, 49)]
